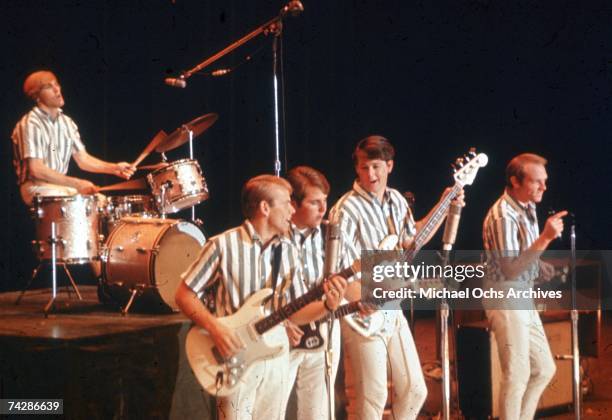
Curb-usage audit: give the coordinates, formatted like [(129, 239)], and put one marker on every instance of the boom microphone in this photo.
[(177, 82)]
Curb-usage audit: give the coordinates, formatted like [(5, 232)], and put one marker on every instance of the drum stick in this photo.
[(150, 147)]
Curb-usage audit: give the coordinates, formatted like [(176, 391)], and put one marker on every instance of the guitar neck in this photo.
[(438, 214), (289, 309)]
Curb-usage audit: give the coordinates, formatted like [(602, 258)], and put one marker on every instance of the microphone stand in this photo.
[(444, 353), (574, 315), (273, 26)]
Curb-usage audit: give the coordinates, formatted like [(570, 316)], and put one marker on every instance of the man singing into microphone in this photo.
[(45, 139), (514, 244)]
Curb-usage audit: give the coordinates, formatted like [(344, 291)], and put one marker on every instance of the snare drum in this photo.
[(77, 231), (149, 255), (178, 186), (118, 207)]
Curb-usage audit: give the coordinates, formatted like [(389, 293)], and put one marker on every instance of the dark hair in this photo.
[(302, 177), (374, 147), (516, 167), (258, 189)]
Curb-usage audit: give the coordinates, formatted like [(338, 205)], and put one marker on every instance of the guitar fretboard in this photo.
[(289, 309)]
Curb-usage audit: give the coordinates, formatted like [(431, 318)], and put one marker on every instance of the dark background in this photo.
[(433, 77)]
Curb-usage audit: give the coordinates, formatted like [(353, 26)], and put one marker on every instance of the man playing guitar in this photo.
[(242, 261), (367, 214), (308, 367)]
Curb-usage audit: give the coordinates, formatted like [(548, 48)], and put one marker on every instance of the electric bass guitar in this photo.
[(465, 170)]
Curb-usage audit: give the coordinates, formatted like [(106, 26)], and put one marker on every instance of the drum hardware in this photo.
[(53, 242)]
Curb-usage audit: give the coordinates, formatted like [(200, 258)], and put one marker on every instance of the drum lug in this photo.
[(101, 238), (40, 213), (141, 250), (119, 248)]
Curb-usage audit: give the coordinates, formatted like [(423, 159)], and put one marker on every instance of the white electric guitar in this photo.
[(465, 172), (261, 334)]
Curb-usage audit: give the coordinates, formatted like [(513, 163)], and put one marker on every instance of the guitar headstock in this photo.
[(466, 167)]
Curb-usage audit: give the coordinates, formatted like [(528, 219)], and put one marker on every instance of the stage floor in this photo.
[(105, 365)]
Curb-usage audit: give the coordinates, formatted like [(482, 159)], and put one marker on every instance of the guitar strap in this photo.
[(277, 256)]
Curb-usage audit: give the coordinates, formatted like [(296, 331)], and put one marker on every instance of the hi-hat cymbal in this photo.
[(181, 135), (133, 184)]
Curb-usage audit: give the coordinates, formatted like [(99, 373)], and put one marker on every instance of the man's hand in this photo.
[(225, 340), (294, 333), (334, 291), (547, 270), (459, 199), (124, 170), (554, 226), (86, 187)]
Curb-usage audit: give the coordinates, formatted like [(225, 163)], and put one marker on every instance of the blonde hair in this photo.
[(259, 189), (35, 82)]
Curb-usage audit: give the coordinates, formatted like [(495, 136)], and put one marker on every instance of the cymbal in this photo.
[(133, 184), (181, 135)]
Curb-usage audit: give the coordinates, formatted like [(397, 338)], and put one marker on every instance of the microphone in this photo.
[(220, 72), (450, 229), (177, 82), (332, 248), (294, 8)]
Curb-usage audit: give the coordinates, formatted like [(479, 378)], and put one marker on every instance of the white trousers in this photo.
[(307, 371), (30, 189), (370, 361), (526, 361), (261, 399)]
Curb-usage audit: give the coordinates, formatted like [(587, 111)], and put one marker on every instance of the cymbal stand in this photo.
[(190, 132)]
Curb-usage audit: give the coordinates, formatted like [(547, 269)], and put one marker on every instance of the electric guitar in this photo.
[(261, 334), (465, 170)]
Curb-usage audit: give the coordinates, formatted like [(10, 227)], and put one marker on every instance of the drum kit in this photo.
[(143, 254)]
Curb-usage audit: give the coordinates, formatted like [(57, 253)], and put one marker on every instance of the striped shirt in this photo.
[(310, 244), (240, 264), (509, 229), (365, 222), (39, 136)]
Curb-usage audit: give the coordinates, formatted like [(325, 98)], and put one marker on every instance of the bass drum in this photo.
[(145, 257)]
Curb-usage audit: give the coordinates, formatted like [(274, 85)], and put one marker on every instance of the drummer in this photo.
[(43, 141)]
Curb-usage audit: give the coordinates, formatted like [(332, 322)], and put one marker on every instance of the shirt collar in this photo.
[(370, 197), (43, 114), (303, 234), (255, 238), (527, 209)]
